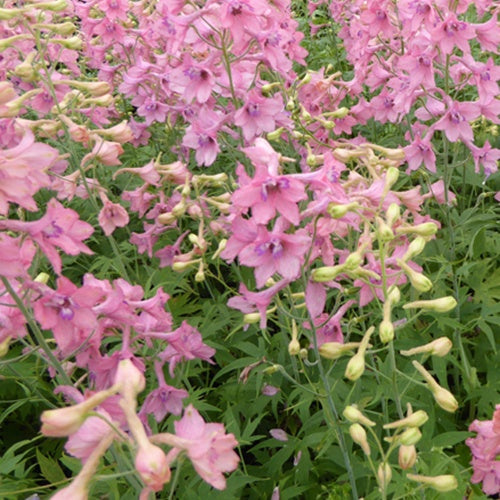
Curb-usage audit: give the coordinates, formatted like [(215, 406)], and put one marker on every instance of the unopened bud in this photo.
[(179, 209), (439, 347), (338, 211), (335, 350), (356, 367), (439, 483), (72, 43), (384, 475), (416, 247), (353, 261), (129, 379), (42, 278), (275, 134), (338, 113), (384, 232), (444, 304), (391, 177), (294, 347), (220, 248), (393, 213), (328, 273), (25, 70), (414, 420), (251, 318), (394, 295), (353, 415), (410, 436), (4, 346), (407, 456), (386, 331), (55, 6), (200, 274), (182, 265), (420, 282), (443, 397), (166, 218), (358, 435), (271, 369), (424, 229)]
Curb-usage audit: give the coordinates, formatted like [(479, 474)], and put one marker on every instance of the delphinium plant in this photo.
[(167, 165)]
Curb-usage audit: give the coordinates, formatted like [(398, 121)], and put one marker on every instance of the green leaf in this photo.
[(51, 470), (448, 439)]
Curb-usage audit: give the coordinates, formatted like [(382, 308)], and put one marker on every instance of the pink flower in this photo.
[(208, 447), (201, 136), (275, 251), (485, 447), (111, 216), (418, 152), (165, 399), (456, 121), (258, 114), (486, 158), (106, 152), (452, 33), (193, 80), (266, 194), (59, 228), (68, 313), (185, 343), (16, 256), (330, 329)]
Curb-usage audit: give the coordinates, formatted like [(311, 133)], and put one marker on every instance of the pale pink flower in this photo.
[(275, 251), (208, 447), (165, 399), (193, 80), (111, 216), (16, 255), (485, 158), (451, 33), (279, 434), (456, 121), (106, 152), (201, 136), (418, 152)]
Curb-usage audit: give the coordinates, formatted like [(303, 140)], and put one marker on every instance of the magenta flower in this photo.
[(165, 399), (208, 447), (59, 228), (275, 251)]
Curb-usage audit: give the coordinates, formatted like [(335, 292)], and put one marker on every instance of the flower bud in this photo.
[(335, 350), (444, 304), (384, 475), (271, 369), (394, 295), (443, 397), (407, 456), (328, 273), (182, 265), (386, 331), (63, 422), (25, 70), (152, 465), (414, 420), (424, 229), (129, 379), (200, 274), (4, 346), (410, 436), (251, 318), (42, 278), (275, 134), (420, 282), (439, 483), (356, 367), (392, 214), (391, 177), (294, 347), (384, 232), (353, 415), (72, 43), (166, 218), (439, 347), (338, 211), (416, 247), (353, 261), (358, 435)]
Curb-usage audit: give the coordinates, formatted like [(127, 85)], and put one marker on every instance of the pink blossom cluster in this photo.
[(485, 448), (425, 65)]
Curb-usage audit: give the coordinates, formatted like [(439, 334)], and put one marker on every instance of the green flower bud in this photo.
[(439, 483), (444, 304), (407, 456), (386, 331), (358, 435), (410, 436)]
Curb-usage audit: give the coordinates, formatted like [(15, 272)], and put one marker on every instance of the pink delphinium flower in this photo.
[(266, 194), (330, 330), (16, 256), (451, 33), (185, 343), (67, 312), (275, 251), (258, 114), (106, 152), (485, 158), (201, 136), (208, 447), (165, 399), (59, 228), (456, 121), (485, 448), (111, 216), (418, 152)]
